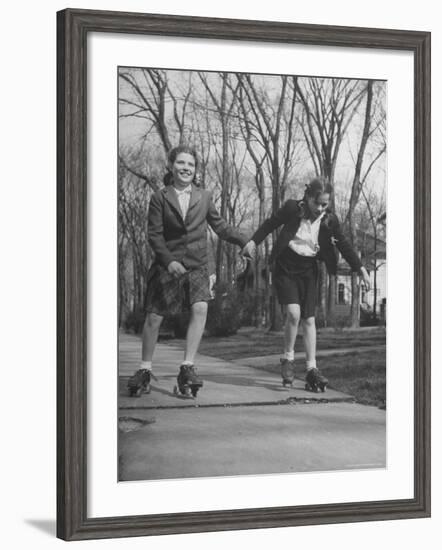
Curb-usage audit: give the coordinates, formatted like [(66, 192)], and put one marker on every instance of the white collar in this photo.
[(318, 219), (186, 190)]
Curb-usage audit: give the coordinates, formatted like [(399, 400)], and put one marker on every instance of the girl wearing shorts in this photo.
[(310, 232)]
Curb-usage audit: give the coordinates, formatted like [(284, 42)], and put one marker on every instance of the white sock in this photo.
[(289, 355), (311, 364), (188, 363), (146, 365)]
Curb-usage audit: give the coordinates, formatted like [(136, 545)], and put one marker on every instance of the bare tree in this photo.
[(134, 254), (146, 95), (375, 208), (329, 108), (359, 178), (269, 122), (224, 104)]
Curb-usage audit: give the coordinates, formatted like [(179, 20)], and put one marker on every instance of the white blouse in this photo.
[(183, 196), (305, 242)]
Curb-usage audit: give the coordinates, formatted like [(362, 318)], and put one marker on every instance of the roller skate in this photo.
[(287, 372), (315, 381), (188, 382), (139, 383)]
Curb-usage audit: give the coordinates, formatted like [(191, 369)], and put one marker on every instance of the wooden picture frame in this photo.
[(73, 27)]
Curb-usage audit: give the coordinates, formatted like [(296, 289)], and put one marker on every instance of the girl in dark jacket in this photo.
[(178, 219), (309, 232)]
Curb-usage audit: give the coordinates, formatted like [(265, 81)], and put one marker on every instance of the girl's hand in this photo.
[(366, 279), (176, 269), (249, 250)]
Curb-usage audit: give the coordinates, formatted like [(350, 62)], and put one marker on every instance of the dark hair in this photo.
[(171, 157), (316, 187)]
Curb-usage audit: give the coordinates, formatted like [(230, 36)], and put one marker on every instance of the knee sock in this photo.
[(289, 355)]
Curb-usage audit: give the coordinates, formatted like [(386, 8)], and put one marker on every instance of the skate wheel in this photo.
[(194, 390), (187, 392)]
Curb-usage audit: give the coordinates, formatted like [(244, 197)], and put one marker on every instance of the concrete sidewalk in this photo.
[(252, 440), (225, 382), (242, 422)]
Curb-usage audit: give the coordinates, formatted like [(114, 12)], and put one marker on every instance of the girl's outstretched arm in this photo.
[(349, 254), (280, 217), (222, 228), (343, 245), (366, 278)]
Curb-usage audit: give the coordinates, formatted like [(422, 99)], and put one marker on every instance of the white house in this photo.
[(373, 256)]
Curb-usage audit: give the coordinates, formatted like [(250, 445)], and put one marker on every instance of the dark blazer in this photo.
[(173, 238), (330, 236)]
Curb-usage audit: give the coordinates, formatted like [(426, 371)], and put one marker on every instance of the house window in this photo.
[(341, 293)]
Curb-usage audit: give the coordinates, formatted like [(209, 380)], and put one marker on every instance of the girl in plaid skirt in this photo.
[(178, 219)]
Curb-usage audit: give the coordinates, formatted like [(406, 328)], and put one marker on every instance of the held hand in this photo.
[(176, 269), (365, 279), (249, 250)]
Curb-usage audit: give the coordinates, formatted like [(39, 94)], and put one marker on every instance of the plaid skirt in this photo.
[(168, 295)]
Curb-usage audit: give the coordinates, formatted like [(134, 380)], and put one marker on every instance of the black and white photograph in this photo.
[(252, 273), (220, 238)]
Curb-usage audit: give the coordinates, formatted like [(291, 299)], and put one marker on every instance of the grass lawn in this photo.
[(361, 375), (252, 342)]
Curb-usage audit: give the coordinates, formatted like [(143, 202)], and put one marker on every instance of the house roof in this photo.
[(370, 249)]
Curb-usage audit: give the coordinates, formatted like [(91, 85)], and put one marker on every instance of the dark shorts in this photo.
[(295, 279), (167, 295)]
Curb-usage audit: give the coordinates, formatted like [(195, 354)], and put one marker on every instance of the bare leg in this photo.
[(198, 316), (150, 335), (291, 326), (309, 332)]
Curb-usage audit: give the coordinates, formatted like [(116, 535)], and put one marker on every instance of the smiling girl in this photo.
[(310, 232), (178, 219)]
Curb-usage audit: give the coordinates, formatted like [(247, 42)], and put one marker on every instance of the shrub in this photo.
[(254, 308), (225, 312), (134, 321), (178, 324)]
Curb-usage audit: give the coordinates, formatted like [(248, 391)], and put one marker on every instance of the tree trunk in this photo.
[(354, 197), (120, 287), (375, 290), (221, 274), (332, 292), (260, 263), (355, 308), (322, 295), (275, 312)]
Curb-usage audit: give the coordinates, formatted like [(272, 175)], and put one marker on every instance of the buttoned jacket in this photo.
[(174, 238), (330, 238)]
